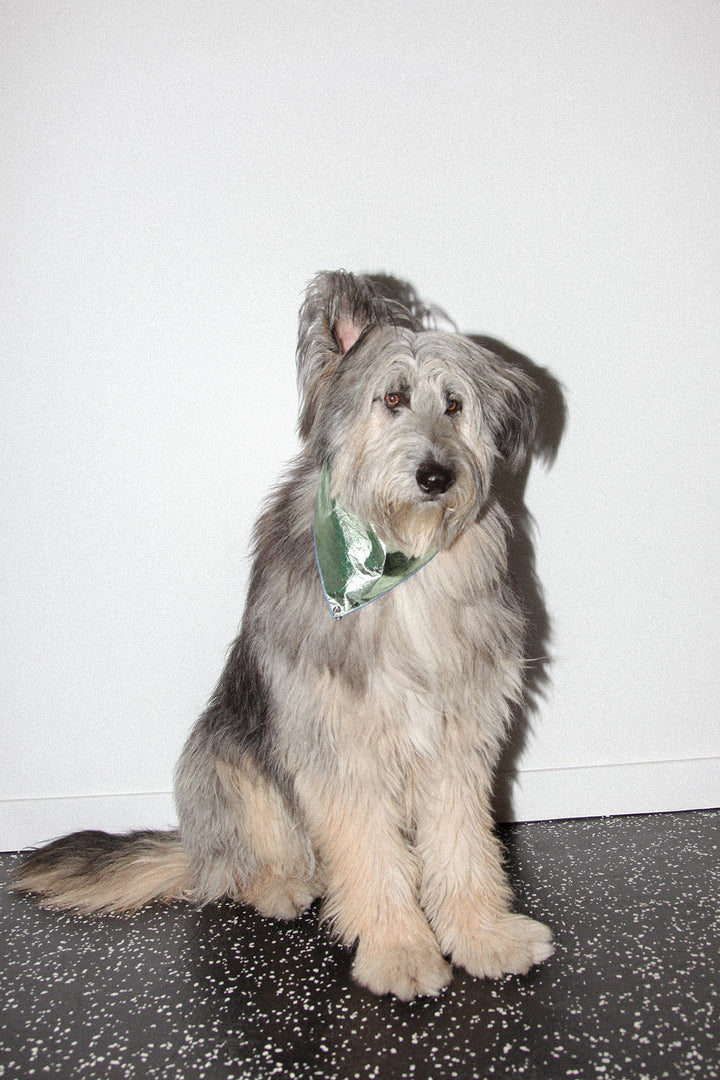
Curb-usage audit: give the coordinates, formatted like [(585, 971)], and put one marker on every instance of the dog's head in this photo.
[(411, 422)]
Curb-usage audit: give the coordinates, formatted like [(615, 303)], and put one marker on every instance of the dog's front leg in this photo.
[(372, 883), (464, 890)]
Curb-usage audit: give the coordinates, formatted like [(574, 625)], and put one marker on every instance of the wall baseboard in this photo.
[(27, 822), (645, 787), (531, 795)]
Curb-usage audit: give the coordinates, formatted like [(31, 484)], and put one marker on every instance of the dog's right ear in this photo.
[(338, 308), (346, 331)]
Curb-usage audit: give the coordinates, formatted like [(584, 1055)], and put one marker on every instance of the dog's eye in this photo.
[(394, 399), (453, 406)]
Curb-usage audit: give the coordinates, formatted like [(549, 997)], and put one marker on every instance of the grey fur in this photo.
[(353, 758)]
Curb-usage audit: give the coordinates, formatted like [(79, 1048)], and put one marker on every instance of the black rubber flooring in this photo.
[(223, 994)]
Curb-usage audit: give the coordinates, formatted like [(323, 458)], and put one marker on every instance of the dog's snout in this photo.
[(434, 478)]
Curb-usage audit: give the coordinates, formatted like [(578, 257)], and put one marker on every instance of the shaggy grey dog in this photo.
[(349, 747)]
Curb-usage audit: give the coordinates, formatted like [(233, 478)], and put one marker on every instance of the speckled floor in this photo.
[(222, 994)]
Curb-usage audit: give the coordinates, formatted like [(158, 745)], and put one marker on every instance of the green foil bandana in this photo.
[(355, 565)]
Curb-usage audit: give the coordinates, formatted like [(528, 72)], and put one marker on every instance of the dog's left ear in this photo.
[(514, 416), (339, 307)]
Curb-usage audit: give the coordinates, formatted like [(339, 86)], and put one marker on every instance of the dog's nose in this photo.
[(434, 478)]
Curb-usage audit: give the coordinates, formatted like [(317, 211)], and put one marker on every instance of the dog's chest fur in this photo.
[(393, 681)]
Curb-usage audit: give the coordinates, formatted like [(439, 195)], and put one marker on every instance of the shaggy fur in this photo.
[(353, 758)]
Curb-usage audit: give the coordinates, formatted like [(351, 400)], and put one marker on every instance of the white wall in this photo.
[(173, 174)]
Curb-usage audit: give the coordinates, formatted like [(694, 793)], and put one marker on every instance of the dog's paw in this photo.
[(280, 897), (414, 971), (510, 947)]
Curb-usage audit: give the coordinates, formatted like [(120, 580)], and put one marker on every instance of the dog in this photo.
[(349, 747)]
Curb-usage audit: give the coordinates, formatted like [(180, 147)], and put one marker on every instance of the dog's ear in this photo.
[(514, 412), (338, 308), (346, 331)]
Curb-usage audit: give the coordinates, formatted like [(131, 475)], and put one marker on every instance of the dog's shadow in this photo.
[(522, 563), (510, 489)]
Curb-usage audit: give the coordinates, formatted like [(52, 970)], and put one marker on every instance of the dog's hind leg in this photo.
[(284, 881), (243, 838)]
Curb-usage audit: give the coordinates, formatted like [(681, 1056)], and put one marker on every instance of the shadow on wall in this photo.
[(521, 558), (510, 490)]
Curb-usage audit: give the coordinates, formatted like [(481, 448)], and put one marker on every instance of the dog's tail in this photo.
[(99, 872)]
